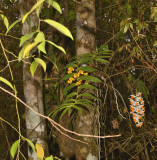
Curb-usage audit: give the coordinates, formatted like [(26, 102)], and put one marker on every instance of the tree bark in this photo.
[(33, 92), (85, 43)]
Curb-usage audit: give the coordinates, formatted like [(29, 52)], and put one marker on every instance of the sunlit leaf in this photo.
[(59, 47), (33, 67), (40, 37), (12, 25), (32, 9), (49, 158), (41, 47), (41, 62), (5, 20), (39, 150), (7, 82), (29, 48), (26, 37), (31, 144), (55, 5), (59, 27), (14, 147)]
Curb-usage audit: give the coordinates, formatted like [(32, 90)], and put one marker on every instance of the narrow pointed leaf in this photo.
[(32, 9), (5, 20), (101, 60), (26, 37), (67, 76), (59, 47), (90, 78), (87, 95), (69, 88), (33, 67), (49, 158), (14, 148), (87, 86), (12, 25), (29, 48), (7, 82), (87, 69), (59, 27), (55, 5), (40, 37), (41, 62), (41, 47), (71, 95), (31, 144)]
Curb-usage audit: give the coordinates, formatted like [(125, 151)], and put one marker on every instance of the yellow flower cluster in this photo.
[(76, 75), (79, 82), (70, 70)]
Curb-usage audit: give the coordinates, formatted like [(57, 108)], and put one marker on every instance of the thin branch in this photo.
[(55, 123)]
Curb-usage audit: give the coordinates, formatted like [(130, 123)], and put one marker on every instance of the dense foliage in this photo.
[(123, 65)]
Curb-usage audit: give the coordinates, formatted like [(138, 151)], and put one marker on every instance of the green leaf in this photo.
[(83, 104), (68, 100), (33, 67), (141, 87), (29, 48), (90, 78), (55, 5), (49, 158), (12, 25), (87, 86), (71, 64), (71, 95), (101, 60), (67, 76), (7, 83), (155, 43), (59, 27), (87, 69), (41, 62), (41, 47), (14, 148), (126, 27), (77, 108), (69, 88), (5, 20), (22, 51), (86, 59), (87, 101), (26, 37), (64, 111), (59, 47), (32, 9), (40, 37), (31, 144), (87, 95)]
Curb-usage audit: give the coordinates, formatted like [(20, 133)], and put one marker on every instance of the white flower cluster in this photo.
[(137, 109)]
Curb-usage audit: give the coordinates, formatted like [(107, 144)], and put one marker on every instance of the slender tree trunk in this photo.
[(87, 122), (33, 92)]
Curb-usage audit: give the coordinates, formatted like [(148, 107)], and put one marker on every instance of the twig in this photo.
[(55, 123)]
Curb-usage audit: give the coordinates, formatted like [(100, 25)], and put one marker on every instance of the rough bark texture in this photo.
[(87, 122), (33, 92)]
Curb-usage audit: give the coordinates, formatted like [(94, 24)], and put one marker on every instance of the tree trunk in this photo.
[(33, 92), (87, 122)]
